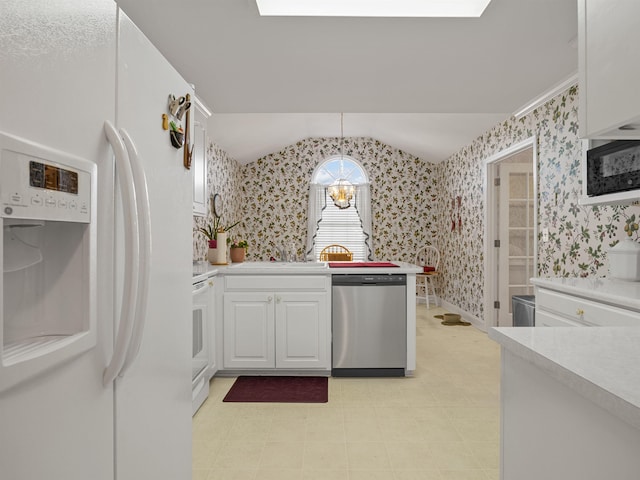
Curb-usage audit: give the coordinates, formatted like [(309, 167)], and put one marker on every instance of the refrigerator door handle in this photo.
[(144, 239), (131, 255)]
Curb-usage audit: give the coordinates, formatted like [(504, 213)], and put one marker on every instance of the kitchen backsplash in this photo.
[(411, 201)]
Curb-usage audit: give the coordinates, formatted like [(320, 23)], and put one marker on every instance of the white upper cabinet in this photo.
[(199, 160), (609, 68)]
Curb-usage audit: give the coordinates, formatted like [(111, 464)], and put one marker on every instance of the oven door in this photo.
[(200, 350)]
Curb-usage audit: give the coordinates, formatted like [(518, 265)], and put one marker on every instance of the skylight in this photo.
[(372, 8)]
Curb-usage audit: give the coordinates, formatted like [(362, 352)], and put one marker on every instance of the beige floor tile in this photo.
[(240, 453), (282, 455), (331, 432), (278, 474), (232, 474), (324, 456), (410, 456), (200, 473), (440, 424), (325, 474), (292, 430), (417, 475), (368, 456), (453, 456), (363, 431), (371, 475), (465, 474)]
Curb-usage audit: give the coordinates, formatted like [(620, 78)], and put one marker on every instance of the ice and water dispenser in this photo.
[(48, 259)]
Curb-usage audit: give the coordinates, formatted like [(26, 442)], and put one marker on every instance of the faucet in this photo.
[(283, 253)]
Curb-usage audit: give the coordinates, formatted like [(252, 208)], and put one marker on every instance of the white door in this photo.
[(153, 428), (58, 87), (516, 233), (302, 335), (249, 329)]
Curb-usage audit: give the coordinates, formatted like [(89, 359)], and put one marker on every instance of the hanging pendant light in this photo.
[(341, 191)]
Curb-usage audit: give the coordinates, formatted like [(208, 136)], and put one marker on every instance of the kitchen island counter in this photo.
[(570, 402)]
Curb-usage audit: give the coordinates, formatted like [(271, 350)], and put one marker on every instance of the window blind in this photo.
[(342, 227)]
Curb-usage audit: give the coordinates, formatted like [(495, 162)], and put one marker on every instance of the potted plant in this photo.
[(238, 250), (216, 232)]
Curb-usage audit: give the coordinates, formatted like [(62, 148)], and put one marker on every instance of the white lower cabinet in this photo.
[(561, 309), (276, 329)]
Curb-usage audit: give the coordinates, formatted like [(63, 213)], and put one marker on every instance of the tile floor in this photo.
[(441, 424)]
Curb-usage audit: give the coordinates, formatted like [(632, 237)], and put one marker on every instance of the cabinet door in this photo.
[(609, 65), (249, 330), (302, 330), (199, 167)]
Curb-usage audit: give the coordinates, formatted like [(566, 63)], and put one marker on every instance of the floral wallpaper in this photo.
[(411, 201), (275, 191), (579, 236), (223, 177)]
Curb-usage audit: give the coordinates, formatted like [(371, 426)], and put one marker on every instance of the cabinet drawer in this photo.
[(546, 319), (277, 282), (584, 311)]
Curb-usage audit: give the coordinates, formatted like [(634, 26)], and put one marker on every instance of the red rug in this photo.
[(279, 390)]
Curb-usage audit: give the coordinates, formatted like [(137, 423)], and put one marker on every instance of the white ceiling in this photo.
[(428, 86)]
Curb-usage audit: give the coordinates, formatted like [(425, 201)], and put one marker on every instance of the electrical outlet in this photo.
[(545, 234)]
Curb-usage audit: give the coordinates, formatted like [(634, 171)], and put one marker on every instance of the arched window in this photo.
[(348, 224)]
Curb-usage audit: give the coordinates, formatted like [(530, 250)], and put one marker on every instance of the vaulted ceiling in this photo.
[(428, 86)]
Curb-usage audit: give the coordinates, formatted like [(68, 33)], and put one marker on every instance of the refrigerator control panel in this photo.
[(43, 184)]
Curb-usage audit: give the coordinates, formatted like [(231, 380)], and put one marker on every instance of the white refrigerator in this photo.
[(71, 301)]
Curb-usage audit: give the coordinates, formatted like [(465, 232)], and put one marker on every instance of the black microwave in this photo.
[(613, 167)]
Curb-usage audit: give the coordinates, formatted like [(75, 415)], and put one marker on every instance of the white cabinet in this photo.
[(556, 308), (285, 327), (302, 326), (249, 330), (609, 68), (199, 159)]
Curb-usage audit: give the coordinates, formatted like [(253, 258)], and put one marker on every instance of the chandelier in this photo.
[(341, 191)]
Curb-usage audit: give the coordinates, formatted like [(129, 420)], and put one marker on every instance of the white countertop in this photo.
[(302, 268), (606, 290), (203, 270), (600, 363), (402, 267)]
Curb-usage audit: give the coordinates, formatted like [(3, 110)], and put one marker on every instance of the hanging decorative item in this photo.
[(456, 218), (341, 191), (177, 108), (188, 150)]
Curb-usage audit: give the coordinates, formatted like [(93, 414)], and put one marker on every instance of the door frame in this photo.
[(490, 220)]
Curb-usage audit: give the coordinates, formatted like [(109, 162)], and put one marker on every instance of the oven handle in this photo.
[(131, 255), (143, 211), (199, 287)]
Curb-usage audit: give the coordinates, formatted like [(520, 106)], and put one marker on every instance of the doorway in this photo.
[(510, 229)]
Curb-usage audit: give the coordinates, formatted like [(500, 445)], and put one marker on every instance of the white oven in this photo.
[(200, 345)]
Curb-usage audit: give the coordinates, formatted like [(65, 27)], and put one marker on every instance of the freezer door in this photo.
[(58, 88)]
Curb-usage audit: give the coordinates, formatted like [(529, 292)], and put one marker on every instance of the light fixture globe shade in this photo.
[(341, 192)]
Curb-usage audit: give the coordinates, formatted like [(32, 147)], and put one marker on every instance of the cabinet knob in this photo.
[(278, 299), (579, 312), (270, 299), (211, 283)]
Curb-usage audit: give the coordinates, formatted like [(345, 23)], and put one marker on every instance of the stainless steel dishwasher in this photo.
[(369, 320)]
